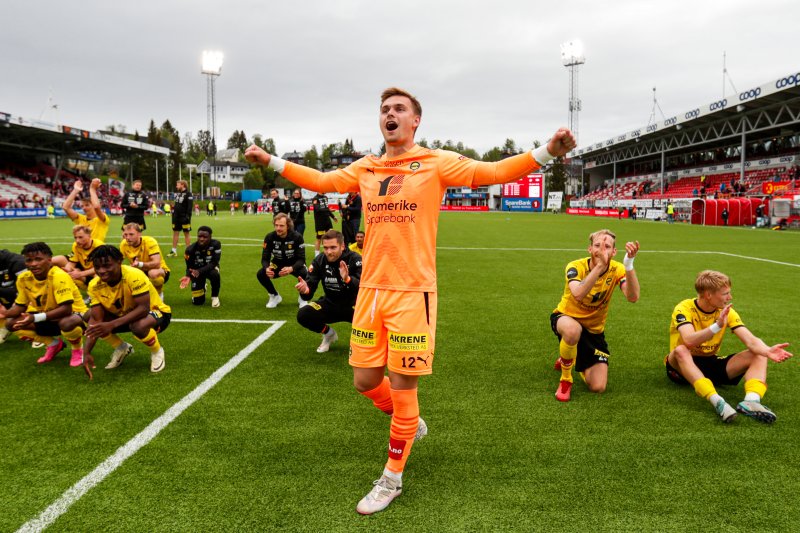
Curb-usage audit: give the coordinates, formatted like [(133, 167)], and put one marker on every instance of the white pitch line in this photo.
[(96, 476), (215, 321)]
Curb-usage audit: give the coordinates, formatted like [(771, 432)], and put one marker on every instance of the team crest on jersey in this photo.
[(414, 166)]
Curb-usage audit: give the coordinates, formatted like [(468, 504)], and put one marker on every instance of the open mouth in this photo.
[(391, 126)]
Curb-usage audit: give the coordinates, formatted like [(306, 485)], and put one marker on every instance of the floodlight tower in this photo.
[(572, 57), (212, 68)]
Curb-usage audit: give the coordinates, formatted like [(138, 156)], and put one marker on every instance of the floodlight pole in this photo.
[(572, 57), (212, 68)]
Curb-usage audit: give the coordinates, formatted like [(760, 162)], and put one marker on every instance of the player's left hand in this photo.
[(778, 354), (96, 183), (99, 330), (343, 270), (561, 143), (185, 282), (632, 248), (285, 271)]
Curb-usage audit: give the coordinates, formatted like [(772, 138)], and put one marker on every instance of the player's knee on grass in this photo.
[(199, 299), (310, 317)]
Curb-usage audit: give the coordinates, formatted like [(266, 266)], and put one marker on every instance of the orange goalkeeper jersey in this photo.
[(401, 198)]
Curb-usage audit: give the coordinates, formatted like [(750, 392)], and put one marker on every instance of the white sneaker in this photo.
[(725, 411), (35, 344), (422, 430), (214, 301), (4, 333), (274, 300), (157, 361), (119, 354), (381, 495), (301, 303), (327, 339), (756, 410)]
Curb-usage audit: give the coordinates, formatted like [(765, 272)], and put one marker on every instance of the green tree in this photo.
[(556, 177), (254, 179), (311, 157)]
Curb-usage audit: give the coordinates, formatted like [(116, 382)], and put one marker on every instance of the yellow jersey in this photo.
[(99, 227), (80, 256), (354, 247), (118, 299), (688, 312), (592, 311), (147, 248), (40, 296)]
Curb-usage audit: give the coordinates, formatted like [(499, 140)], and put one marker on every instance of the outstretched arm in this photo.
[(96, 200), (308, 178), (776, 353), (70, 200), (631, 286)]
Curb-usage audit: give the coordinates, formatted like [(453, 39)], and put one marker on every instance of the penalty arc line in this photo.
[(76, 492)]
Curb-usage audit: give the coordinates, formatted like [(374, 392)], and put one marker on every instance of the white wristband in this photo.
[(40, 317), (541, 155), (714, 328), (276, 163), (628, 262), (140, 264)]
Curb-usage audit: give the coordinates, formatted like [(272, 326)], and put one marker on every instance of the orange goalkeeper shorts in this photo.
[(396, 329)]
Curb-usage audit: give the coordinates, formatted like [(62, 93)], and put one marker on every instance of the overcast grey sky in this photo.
[(311, 71)]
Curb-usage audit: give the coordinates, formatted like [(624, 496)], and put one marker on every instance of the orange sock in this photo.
[(381, 396), (404, 427)]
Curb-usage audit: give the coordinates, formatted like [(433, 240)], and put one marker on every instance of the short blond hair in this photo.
[(711, 280), (80, 228), (395, 91), (133, 225), (598, 233)]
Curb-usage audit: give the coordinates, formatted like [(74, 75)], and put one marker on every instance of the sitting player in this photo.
[(339, 270), (79, 267), (580, 318), (695, 335), (123, 299), (144, 253), (202, 263), (11, 266), (282, 255), (48, 304)]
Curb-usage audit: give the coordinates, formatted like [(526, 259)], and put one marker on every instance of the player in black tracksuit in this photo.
[(282, 255), (339, 271), (297, 210), (202, 263), (181, 215), (322, 218), (11, 266), (135, 203), (279, 205)]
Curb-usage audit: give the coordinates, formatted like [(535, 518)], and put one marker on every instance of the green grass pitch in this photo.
[(285, 442)]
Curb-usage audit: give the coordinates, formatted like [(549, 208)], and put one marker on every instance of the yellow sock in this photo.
[(151, 341), (113, 340), (74, 337), (755, 386), (704, 388), (30, 335), (568, 354)]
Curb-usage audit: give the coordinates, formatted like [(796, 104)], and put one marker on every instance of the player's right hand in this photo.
[(78, 186), (302, 286), (256, 154), (88, 365), (185, 282), (722, 319)]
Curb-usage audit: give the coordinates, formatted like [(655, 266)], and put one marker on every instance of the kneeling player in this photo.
[(579, 320), (48, 304), (144, 253), (695, 335), (339, 270), (282, 255), (202, 263), (123, 299), (11, 266)]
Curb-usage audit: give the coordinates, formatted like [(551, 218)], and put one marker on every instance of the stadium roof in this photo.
[(750, 102), (39, 136)]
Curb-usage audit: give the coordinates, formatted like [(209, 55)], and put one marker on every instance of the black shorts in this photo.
[(592, 347), (712, 367), (162, 322), (184, 225), (49, 328), (139, 219), (321, 227)]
